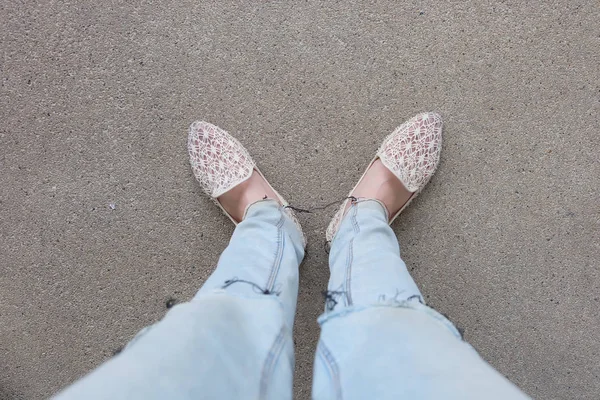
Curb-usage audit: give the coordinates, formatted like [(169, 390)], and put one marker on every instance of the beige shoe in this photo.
[(220, 163), (411, 153)]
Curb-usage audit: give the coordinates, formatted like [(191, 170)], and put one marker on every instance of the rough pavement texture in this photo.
[(95, 102)]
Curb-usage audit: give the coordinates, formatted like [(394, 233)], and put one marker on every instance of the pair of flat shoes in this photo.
[(412, 153)]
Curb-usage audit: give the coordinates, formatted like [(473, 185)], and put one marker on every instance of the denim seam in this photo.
[(354, 220), (329, 361), (270, 361), (350, 256), (278, 254), (348, 278)]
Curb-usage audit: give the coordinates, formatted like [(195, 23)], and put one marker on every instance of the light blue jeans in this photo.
[(233, 340)]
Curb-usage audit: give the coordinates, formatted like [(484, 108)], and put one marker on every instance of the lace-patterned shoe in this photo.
[(411, 153), (220, 162)]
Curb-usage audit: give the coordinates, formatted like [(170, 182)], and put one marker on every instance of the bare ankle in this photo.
[(380, 184), (246, 193)]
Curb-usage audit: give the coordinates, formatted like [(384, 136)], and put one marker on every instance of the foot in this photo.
[(241, 196), (227, 173), (381, 184), (404, 164)]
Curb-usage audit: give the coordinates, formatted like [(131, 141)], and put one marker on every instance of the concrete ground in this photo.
[(95, 102)]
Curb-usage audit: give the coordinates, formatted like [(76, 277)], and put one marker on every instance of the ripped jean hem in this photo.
[(413, 304), (224, 292), (213, 293)]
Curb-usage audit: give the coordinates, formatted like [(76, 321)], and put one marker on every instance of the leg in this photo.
[(378, 339), (233, 340)]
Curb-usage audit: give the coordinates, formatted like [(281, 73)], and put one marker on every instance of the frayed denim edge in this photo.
[(408, 304)]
